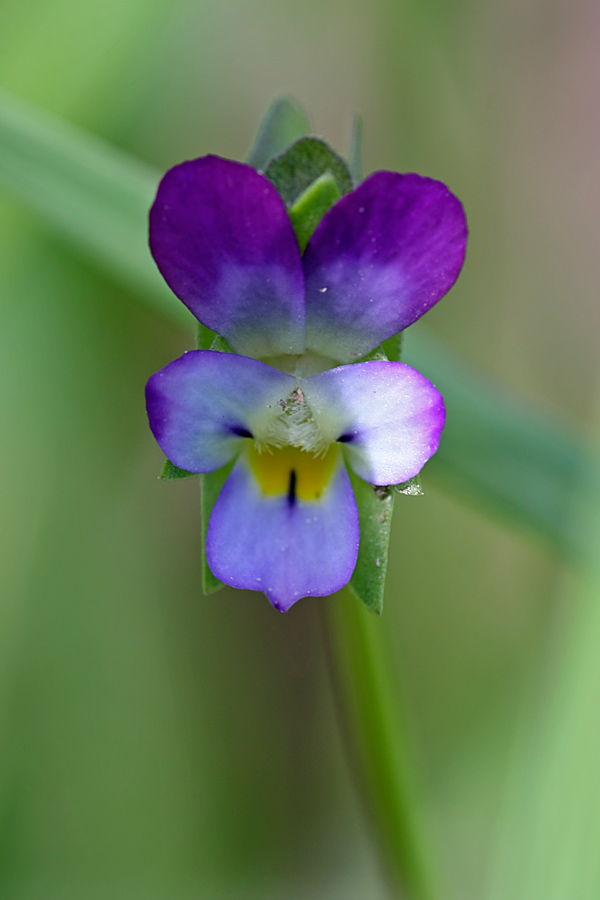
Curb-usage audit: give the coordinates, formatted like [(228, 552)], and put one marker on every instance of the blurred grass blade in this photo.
[(284, 123), (550, 830), (355, 155), (86, 190), (378, 741), (509, 459)]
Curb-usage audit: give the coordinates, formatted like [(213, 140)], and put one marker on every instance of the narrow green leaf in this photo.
[(210, 488), (379, 742), (375, 509), (305, 161), (172, 473), (355, 156), (284, 123), (311, 206), (88, 192), (547, 842), (508, 458)]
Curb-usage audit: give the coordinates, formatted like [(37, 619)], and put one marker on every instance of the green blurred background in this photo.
[(159, 744)]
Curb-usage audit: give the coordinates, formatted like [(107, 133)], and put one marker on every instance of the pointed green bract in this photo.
[(205, 337), (376, 355), (172, 473), (311, 206), (375, 508), (284, 123), (220, 345), (410, 488), (305, 161), (393, 347)]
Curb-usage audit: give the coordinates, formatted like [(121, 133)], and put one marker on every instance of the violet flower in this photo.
[(285, 406)]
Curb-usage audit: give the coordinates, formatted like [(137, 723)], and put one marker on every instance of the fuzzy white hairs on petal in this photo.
[(294, 427)]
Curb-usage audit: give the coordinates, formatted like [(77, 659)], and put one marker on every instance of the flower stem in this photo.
[(376, 739)]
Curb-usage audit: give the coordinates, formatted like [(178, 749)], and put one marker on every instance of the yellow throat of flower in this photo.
[(292, 471)]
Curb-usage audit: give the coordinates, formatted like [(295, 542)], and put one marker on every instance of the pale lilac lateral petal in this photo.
[(202, 404), (224, 243), (288, 549), (379, 259), (387, 415)]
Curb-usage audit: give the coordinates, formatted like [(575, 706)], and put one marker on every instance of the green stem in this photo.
[(377, 739)]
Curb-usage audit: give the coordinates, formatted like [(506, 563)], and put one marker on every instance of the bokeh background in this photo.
[(157, 744)]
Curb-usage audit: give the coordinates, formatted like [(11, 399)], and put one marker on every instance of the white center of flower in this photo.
[(295, 426)]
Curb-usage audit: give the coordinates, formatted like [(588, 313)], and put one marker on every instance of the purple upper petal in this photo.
[(388, 416), (223, 241), (379, 259), (200, 405), (287, 549)]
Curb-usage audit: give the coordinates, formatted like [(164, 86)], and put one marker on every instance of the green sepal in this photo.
[(211, 486), (172, 473), (375, 508), (305, 161), (208, 340), (393, 347), (410, 488), (311, 206), (220, 345), (284, 123), (205, 337), (388, 351), (376, 355)]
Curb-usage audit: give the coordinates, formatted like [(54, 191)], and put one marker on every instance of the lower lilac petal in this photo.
[(201, 405), (288, 550), (223, 241), (379, 259), (388, 416)]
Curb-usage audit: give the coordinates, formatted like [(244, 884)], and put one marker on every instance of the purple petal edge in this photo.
[(200, 406), (379, 260), (222, 239), (390, 416)]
